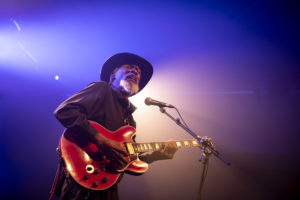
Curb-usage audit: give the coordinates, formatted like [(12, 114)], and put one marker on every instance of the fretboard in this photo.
[(134, 148)]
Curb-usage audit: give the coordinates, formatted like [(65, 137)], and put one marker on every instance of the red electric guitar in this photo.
[(91, 169)]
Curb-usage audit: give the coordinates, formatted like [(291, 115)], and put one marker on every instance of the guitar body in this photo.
[(89, 166)]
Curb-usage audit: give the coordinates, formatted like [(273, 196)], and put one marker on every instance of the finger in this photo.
[(121, 149), (116, 156), (118, 161), (171, 151), (171, 144), (171, 147), (124, 158)]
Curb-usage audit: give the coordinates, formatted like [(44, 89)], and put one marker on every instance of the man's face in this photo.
[(127, 79)]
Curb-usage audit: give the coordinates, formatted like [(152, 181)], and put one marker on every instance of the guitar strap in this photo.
[(59, 179)]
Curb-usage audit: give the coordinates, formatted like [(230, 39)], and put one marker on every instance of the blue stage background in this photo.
[(231, 68)]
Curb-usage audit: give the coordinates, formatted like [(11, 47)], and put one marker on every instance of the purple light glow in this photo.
[(231, 69)]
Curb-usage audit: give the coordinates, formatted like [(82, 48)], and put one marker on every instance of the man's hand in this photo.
[(114, 151), (169, 150)]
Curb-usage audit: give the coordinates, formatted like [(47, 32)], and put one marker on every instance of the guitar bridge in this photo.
[(129, 148)]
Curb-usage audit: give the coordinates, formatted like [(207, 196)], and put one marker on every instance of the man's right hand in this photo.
[(114, 151)]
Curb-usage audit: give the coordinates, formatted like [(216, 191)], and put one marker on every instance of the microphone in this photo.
[(149, 101)]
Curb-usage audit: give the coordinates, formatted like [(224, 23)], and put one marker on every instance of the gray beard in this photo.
[(129, 87)]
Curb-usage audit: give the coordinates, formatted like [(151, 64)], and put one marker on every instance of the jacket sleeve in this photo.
[(77, 109)]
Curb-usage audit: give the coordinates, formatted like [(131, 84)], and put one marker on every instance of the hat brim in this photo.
[(120, 59)]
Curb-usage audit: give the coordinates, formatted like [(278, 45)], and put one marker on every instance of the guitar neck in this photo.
[(134, 148)]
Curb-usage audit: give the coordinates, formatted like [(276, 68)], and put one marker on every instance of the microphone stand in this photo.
[(207, 148)]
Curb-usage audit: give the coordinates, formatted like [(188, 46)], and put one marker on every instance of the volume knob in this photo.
[(97, 171), (105, 179), (96, 183), (86, 177)]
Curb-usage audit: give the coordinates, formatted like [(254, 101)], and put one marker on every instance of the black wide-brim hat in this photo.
[(120, 59)]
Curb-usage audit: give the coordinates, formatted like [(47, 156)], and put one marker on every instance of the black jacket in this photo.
[(100, 103)]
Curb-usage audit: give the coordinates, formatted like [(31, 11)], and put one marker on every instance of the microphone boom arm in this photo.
[(206, 145)]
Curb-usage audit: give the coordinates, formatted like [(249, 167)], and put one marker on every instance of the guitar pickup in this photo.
[(130, 148)]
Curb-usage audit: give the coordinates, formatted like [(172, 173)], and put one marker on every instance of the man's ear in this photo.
[(113, 75)]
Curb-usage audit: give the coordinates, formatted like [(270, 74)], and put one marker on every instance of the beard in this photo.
[(129, 87)]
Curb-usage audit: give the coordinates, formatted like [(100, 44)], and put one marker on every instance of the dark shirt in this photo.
[(100, 103), (97, 102)]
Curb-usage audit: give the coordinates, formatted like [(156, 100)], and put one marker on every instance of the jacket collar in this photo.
[(124, 102)]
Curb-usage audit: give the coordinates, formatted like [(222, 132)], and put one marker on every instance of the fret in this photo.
[(138, 148), (186, 143), (145, 146), (195, 143), (157, 146), (135, 148), (161, 145), (178, 143), (153, 146), (142, 147)]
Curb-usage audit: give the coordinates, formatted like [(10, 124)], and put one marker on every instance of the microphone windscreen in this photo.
[(147, 101)]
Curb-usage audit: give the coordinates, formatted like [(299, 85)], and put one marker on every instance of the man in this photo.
[(106, 102)]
